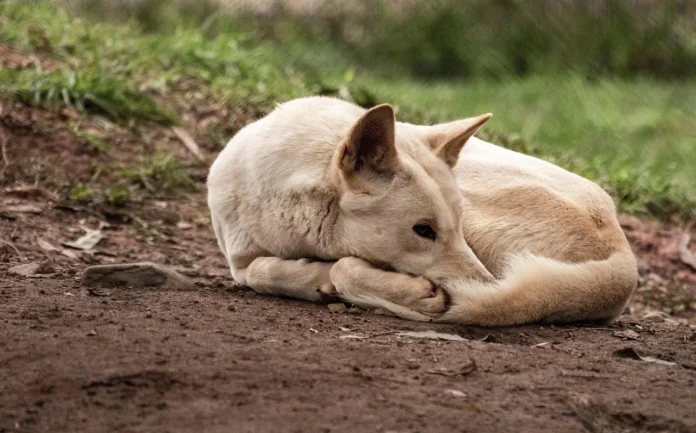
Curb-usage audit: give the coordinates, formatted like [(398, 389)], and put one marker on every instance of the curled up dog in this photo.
[(323, 199)]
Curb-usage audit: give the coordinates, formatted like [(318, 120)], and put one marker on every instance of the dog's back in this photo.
[(520, 203), (550, 236)]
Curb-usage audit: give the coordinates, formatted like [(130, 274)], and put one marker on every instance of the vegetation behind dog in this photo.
[(589, 86)]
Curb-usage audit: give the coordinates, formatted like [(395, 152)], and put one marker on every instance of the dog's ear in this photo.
[(370, 147), (448, 139)]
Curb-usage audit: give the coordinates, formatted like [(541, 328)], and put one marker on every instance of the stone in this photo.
[(137, 275)]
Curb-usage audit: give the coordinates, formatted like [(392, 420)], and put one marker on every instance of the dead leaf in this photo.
[(24, 208), (25, 270), (313, 330), (655, 314), (46, 246), (455, 393), (87, 241), (465, 370), (71, 254), (31, 192), (189, 142), (442, 371), (431, 335), (686, 256), (97, 292), (337, 308), (630, 353), (489, 339), (352, 337), (627, 334), (184, 225)]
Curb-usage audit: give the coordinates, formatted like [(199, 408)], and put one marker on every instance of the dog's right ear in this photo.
[(370, 148), (448, 139)]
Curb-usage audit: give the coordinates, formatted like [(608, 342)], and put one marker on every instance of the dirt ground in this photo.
[(223, 358)]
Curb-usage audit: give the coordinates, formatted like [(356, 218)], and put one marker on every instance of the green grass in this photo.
[(119, 70), (502, 38), (635, 137), (162, 174), (87, 90)]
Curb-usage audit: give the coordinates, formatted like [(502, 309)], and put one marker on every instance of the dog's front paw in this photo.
[(424, 297)]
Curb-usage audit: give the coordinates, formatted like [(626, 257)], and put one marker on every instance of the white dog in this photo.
[(322, 198)]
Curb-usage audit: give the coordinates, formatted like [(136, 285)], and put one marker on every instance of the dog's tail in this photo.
[(538, 289)]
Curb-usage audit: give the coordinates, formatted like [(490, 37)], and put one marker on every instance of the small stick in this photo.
[(3, 147), (11, 245), (188, 141)]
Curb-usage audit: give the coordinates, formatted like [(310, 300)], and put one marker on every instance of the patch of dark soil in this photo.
[(41, 150), (667, 284), (226, 359)]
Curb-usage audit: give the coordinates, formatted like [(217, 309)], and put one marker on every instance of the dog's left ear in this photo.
[(448, 139)]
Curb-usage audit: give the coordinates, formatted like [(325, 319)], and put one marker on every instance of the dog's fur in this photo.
[(321, 197)]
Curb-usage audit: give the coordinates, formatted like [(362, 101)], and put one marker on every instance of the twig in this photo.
[(381, 334), (3, 147), (686, 256), (11, 245), (188, 141)]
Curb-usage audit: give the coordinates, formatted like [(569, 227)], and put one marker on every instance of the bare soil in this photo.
[(223, 358)]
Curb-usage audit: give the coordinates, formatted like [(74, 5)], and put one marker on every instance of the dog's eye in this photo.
[(425, 231)]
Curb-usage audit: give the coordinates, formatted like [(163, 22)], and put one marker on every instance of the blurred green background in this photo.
[(606, 88)]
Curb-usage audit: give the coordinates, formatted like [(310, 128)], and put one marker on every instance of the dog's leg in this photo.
[(301, 279), (414, 298), (256, 268)]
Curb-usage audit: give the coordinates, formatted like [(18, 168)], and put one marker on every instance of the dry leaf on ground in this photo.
[(631, 353), (431, 335), (87, 241)]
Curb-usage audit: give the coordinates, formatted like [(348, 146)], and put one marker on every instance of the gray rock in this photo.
[(139, 275)]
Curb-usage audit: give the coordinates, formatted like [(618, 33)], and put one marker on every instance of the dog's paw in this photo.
[(424, 297)]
